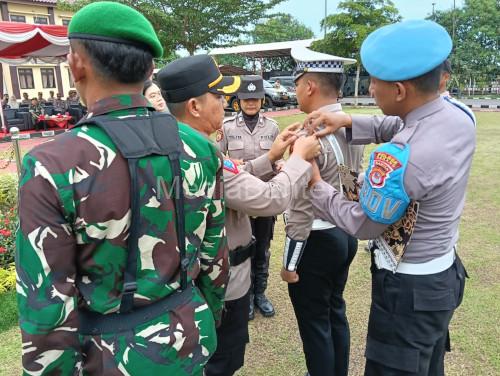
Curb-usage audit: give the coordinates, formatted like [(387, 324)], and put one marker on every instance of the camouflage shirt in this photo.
[(74, 220)]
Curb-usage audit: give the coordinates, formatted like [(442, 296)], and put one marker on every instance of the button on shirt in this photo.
[(239, 143)]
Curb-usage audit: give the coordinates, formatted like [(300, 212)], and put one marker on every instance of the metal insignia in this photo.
[(251, 87)]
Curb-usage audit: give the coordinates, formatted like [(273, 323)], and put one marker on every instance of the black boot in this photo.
[(251, 312), (264, 305)]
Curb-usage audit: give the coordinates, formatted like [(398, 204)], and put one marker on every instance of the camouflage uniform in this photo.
[(74, 210)]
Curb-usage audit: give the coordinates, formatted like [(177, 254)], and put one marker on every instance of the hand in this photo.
[(307, 147), (288, 276), (316, 176), (284, 139), (238, 162), (279, 165), (330, 120)]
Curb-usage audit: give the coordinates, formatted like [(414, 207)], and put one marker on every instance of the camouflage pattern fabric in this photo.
[(74, 219)]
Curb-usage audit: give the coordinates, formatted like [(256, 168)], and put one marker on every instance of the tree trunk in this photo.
[(356, 84)]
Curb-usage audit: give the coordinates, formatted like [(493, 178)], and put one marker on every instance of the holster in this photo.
[(240, 254)]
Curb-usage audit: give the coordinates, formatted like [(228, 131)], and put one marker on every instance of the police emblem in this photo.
[(383, 165), (218, 135), (230, 166), (251, 87)]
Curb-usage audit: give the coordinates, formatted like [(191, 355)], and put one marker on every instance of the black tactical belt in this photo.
[(94, 323), (239, 255)]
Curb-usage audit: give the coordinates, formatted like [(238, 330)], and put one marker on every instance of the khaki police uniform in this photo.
[(328, 251), (324, 251), (239, 142), (245, 194), (425, 159)]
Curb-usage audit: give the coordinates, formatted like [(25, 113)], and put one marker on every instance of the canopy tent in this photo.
[(21, 43), (263, 50)]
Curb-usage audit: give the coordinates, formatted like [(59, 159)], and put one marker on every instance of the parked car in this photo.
[(286, 81), (275, 97)]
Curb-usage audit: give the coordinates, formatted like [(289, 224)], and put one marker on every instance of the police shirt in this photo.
[(236, 140), (246, 195), (441, 147), (300, 215)]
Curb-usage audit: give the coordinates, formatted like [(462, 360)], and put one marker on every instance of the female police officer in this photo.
[(246, 136)]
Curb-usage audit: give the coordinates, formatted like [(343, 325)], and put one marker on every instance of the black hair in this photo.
[(329, 83), (119, 62), (447, 66), (428, 82), (147, 85)]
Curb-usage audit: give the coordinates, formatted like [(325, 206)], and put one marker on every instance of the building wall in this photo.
[(28, 10), (60, 15), (55, 16)]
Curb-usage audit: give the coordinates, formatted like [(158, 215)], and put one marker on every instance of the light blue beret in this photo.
[(405, 50)]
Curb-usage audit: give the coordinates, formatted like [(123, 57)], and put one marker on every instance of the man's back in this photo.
[(78, 225)]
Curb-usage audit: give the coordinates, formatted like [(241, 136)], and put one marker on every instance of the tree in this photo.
[(349, 28), (280, 28), (195, 24), (476, 47)]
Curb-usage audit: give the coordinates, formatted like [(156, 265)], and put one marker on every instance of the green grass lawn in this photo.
[(275, 348)]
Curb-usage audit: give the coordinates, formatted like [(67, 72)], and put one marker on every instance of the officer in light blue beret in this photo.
[(412, 197)]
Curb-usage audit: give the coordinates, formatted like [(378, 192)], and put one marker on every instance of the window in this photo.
[(17, 18), (66, 21), (48, 78), (71, 82), (25, 78), (41, 20)]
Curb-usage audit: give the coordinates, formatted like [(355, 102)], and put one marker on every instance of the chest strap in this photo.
[(137, 137)]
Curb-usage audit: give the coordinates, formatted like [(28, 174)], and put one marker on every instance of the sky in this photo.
[(311, 12)]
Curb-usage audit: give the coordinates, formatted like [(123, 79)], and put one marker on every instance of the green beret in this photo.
[(114, 22)]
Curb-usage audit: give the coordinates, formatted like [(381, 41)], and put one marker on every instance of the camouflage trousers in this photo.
[(179, 343)]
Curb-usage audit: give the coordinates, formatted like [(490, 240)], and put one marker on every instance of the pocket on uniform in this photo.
[(392, 356), (434, 300), (235, 145), (266, 144)]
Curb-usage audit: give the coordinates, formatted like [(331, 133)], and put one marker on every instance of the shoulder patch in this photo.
[(383, 196), (229, 119), (219, 135), (230, 166)]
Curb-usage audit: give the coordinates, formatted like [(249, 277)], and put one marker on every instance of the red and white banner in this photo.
[(20, 42)]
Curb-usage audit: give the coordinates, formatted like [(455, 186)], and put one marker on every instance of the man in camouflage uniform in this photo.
[(186, 83), (79, 224)]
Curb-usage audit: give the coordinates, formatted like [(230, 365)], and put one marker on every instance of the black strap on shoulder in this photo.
[(137, 137)]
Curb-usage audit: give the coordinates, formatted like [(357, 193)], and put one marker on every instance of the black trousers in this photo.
[(319, 304), (232, 338), (409, 318), (262, 230)]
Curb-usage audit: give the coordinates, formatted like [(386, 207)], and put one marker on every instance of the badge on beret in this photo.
[(219, 135), (230, 166), (251, 87)]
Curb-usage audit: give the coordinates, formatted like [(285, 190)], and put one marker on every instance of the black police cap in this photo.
[(251, 87), (192, 76)]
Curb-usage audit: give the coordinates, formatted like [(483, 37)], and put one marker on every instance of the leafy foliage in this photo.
[(349, 28), (8, 191), (355, 20), (195, 24), (8, 222), (7, 279), (475, 30), (280, 28)]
